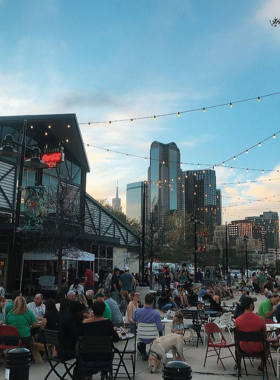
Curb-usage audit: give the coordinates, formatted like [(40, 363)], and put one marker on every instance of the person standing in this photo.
[(126, 280), (167, 278), (161, 279), (229, 279), (115, 287), (262, 280), (89, 283)]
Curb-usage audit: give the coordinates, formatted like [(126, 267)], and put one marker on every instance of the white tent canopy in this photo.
[(68, 254)]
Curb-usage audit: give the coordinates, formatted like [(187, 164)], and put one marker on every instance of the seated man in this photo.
[(268, 307), (205, 294), (107, 312), (89, 297), (71, 295), (147, 315), (250, 321), (116, 313), (37, 306), (239, 308)]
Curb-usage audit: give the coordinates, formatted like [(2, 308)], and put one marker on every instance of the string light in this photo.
[(274, 136), (88, 124), (131, 120), (68, 126), (230, 104), (259, 99), (189, 110), (260, 144), (246, 151), (110, 122), (31, 126), (67, 140), (46, 133), (49, 126), (155, 117)]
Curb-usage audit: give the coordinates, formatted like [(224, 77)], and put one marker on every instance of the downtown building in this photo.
[(165, 182), (268, 224), (134, 200)]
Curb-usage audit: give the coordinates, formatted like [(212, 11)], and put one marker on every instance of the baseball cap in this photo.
[(98, 295), (126, 269), (116, 269), (76, 306)]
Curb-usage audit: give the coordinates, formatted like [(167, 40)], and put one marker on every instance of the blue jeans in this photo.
[(169, 306)]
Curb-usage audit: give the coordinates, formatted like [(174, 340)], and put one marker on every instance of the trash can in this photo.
[(177, 370), (18, 361)]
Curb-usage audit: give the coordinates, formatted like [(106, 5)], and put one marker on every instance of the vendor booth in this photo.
[(40, 267)]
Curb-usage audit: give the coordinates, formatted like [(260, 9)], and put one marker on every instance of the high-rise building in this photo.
[(134, 200), (269, 221), (116, 202), (200, 197), (219, 206), (165, 181)]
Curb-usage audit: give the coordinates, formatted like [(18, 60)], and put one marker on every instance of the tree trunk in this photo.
[(151, 274), (59, 269)]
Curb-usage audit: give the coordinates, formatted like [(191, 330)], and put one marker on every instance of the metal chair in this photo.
[(196, 324), (10, 338), (50, 338), (146, 331), (252, 336), (88, 346), (211, 329)]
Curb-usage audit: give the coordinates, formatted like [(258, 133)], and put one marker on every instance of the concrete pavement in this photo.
[(194, 356)]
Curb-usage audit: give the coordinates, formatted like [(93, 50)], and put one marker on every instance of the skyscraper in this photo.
[(134, 200), (116, 202), (219, 206), (269, 221), (200, 196), (165, 180)]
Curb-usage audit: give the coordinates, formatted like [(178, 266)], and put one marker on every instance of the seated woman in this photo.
[(215, 301), (97, 326), (50, 319), (132, 306), (22, 318)]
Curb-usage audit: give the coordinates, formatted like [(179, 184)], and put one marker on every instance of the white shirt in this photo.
[(39, 311)]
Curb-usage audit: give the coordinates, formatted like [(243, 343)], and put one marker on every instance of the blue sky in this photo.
[(123, 59)]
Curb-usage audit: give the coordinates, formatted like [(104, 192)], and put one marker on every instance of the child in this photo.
[(177, 326), (124, 302)]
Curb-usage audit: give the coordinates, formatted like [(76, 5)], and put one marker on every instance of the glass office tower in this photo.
[(200, 197), (219, 206), (165, 180), (134, 200)]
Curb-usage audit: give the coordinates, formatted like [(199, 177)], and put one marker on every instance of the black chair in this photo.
[(89, 345), (126, 353), (252, 336), (195, 325), (50, 339)]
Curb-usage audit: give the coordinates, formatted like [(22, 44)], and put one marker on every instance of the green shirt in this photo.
[(9, 307), (262, 279), (107, 312), (22, 322), (265, 307)]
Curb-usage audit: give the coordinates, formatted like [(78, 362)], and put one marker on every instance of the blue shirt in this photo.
[(148, 315), (202, 293)]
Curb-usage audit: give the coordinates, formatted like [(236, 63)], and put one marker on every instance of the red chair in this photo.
[(210, 329), (7, 332)]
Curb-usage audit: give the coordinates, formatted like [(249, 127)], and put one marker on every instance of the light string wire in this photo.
[(210, 166), (178, 113)]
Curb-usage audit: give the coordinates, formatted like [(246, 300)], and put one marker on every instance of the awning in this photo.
[(68, 254)]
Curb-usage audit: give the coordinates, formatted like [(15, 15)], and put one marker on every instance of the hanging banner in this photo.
[(202, 241), (34, 208)]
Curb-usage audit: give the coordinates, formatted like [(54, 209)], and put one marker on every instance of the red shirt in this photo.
[(89, 276), (250, 322)]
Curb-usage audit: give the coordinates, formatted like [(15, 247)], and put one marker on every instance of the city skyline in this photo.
[(123, 60)]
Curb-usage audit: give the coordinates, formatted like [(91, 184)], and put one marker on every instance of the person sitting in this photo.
[(77, 287), (71, 295), (132, 306), (205, 294), (50, 320), (179, 296), (97, 326), (250, 321), (239, 310), (82, 298), (115, 311), (124, 302), (177, 326), (147, 315), (89, 297), (192, 293), (2, 305), (215, 301), (107, 312), (37, 306), (22, 318), (268, 307), (11, 304), (166, 302), (70, 328), (61, 300)]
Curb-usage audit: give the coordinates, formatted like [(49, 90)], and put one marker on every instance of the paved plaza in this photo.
[(194, 356)]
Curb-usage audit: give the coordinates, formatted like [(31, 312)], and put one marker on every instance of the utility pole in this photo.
[(143, 230)]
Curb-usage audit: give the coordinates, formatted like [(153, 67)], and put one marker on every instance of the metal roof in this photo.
[(59, 128)]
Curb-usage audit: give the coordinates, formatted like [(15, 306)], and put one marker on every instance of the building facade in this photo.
[(219, 207), (117, 202), (165, 182), (269, 222), (134, 200)]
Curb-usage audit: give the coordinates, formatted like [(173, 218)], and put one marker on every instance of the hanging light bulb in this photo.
[(274, 136), (49, 126), (246, 151), (88, 124), (178, 114), (223, 163), (126, 155), (68, 126), (198, 165), (234, 157), (163, 162), (262, 171), (46, 133), (247, 170), (260, 144), (31, 126), (67, 140), (155, 117), (110, 122), (204, 110), (145, 158), (231, 168), (259, 99), (131, 120), (230, 104)]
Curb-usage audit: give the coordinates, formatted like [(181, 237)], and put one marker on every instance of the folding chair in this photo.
[(10, 338), (252, 336), (146, 331), (50, 338), (88, 345), (123, 353), (211, 329), (225, 322), (195, 325)]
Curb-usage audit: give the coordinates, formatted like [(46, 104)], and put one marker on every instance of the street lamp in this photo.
[(246, 239), (195, 220), (8, 150)]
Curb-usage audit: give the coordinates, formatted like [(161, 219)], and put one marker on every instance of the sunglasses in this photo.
[(136, 295)]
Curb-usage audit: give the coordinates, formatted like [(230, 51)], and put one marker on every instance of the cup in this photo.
[(224, 303)]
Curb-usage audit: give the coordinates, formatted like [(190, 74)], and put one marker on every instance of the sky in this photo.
[(123, 59)]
